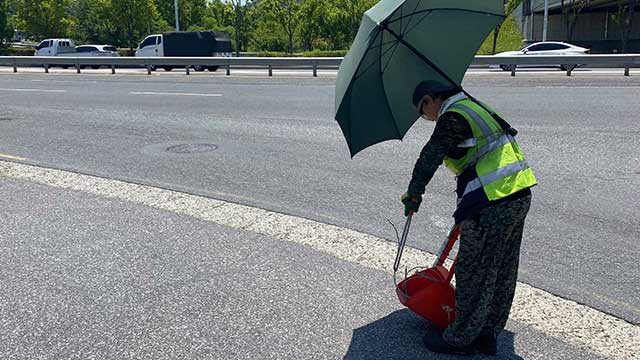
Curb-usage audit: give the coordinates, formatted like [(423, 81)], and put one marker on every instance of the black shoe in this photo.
[(438, 345), (486, 344)]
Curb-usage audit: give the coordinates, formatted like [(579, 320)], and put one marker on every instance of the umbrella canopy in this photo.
[(401, 43)]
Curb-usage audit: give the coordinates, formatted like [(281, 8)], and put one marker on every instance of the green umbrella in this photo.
[(401, 43)]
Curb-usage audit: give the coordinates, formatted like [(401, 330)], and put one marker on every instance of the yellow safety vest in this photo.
[(500, 167)]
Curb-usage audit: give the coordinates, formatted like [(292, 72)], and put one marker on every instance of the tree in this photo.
[(509, 7), (354, 10), (623, 18), (238, 17), (344, 20), (44, 18), (95, 22), (136, 19), (284, 13), (312, 11), (190, 13), (5, 30), (570, 14)]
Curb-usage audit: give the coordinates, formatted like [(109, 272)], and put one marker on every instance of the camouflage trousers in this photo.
[(486, 270)]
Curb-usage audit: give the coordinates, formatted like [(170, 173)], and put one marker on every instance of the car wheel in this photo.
[(567, 67), (506, 67), (167, 68), (212, 68)]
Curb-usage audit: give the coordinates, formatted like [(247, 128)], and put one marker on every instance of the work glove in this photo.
[(411, 203)]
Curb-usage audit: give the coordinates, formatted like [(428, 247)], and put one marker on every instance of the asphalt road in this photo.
[(272, 143), (91, 277)]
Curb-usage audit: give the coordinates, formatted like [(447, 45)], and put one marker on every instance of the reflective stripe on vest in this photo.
[(494, 148), (477, 119), (489, 136), (501, 141), (503, 172)]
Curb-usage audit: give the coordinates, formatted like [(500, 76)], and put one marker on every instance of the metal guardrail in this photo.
[(511, 63), (175, 62)]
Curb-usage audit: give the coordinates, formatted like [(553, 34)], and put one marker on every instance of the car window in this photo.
[(547, 47), (83, 49), (148, 41), (109, 48), (159, 40), (538, 47), (42, 45), (556, 47)]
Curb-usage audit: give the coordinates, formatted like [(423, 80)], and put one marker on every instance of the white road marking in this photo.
[(35, 90), (12, 157), (172, 94), (577, 325)]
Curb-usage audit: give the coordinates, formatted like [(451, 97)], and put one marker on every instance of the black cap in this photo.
[(434, 89)]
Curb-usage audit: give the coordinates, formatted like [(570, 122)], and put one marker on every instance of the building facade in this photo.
[(595, 23)]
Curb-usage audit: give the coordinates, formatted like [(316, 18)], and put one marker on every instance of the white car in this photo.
[(96, 51), (546, 48)]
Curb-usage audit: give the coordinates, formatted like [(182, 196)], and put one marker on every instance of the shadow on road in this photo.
[(399, 336)]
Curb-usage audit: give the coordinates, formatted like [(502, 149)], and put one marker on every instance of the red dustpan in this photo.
[(428, 292)]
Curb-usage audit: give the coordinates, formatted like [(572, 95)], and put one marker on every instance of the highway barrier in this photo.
[(507, 63)]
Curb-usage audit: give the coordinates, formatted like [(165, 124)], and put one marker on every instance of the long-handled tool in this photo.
[(429, 292)]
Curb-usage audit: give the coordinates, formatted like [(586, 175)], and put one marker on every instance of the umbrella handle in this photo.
[(402, 242)]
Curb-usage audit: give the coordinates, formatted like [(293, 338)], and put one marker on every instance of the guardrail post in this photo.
[(569, 71), (315, 70), (228, 69), (15, 67), (513, 70), (46, 68), (148, 69), (77, 68), (626, 70), (270, 70), (113, 68), (188, 73)]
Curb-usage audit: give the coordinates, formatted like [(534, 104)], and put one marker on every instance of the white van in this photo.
[(56, 47)]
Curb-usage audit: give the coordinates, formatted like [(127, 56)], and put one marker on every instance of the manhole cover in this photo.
[(192, 148)]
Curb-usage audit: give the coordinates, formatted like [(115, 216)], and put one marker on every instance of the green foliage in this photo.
[(5, 29), (13, 51), (268, 38), (190, 13), (325, 53), (95, 22), (286, 15), (509, 38), (269, 54), (136, 19), (44, 18), (291, 26)]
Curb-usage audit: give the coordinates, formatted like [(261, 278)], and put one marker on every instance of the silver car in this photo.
[(546, 48)]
